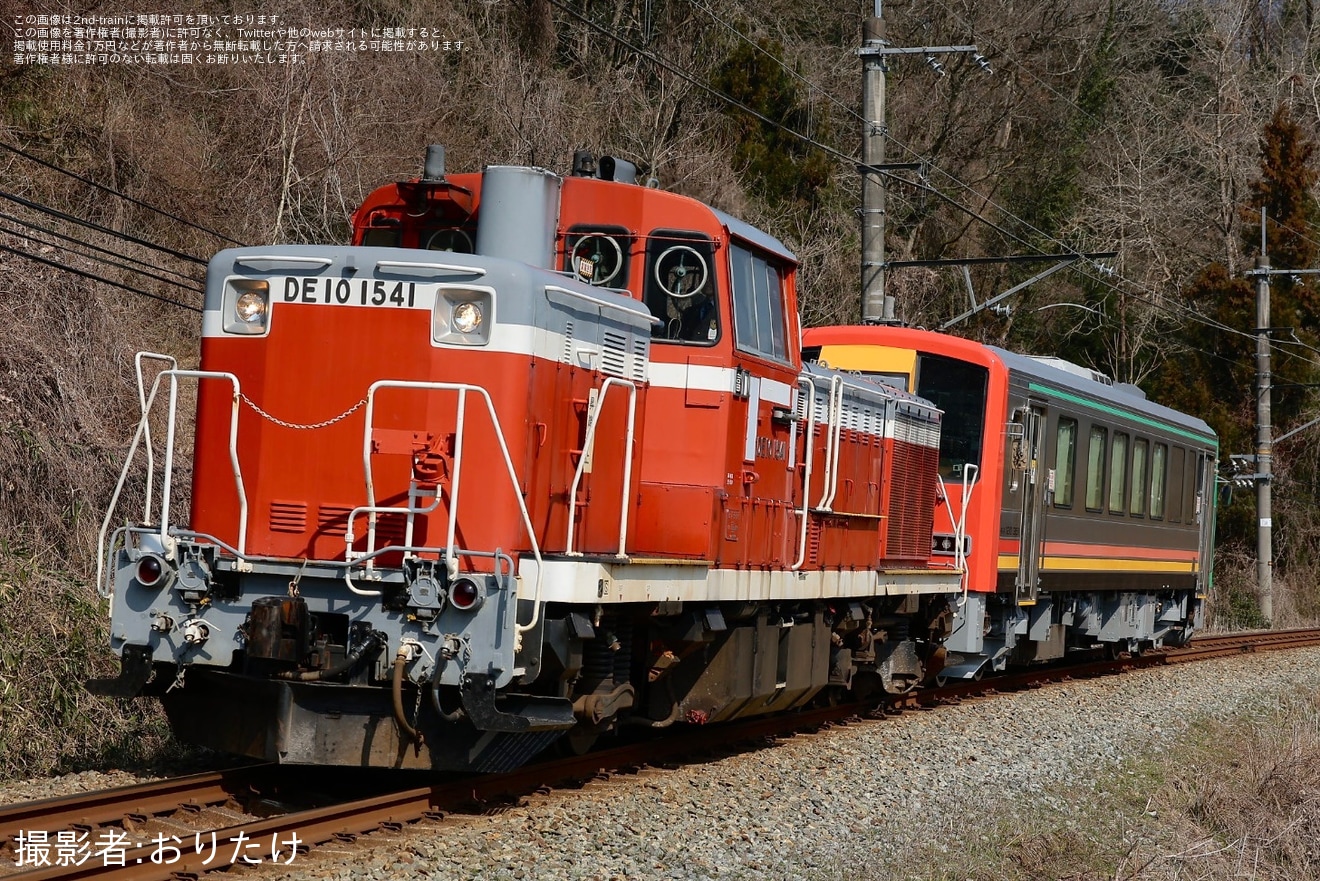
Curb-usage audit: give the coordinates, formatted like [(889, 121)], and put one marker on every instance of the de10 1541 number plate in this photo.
[(356, 292)]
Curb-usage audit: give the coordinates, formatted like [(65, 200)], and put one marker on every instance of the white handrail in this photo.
[(593, 419), (372, 511), (805, 513), (834, 435), (403, 267), (270, 262), (959, 524), (602, 304), (142, 404), (143, 431), (451, 560)]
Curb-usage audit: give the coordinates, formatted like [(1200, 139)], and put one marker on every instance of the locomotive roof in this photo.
[(1120, 396), (761, 239)]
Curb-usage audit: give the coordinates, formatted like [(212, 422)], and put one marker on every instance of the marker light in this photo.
[(464, 594), (467, 317), (150, 570)]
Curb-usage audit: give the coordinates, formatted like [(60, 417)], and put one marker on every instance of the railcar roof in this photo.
[(1118, 396)]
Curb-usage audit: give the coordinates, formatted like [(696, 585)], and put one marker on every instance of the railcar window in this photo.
[(1095, 468), (758, 303), (1176, 484), (680, 287), (1137, 507), (1065, 461), (1158, 474), (1117, 472), (959, 389)]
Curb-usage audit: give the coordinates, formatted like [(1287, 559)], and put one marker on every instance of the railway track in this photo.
[(187, 826)]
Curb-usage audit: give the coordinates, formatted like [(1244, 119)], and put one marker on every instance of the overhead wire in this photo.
[(77, 241), (1003, 53), (29, 256), (100, 186), (1176, 308), (70, 218), (103, 260)]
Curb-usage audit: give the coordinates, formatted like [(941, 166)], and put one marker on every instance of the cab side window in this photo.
[(758, 303), (680, 287)]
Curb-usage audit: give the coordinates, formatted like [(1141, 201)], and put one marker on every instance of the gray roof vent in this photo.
[(1074, 369)]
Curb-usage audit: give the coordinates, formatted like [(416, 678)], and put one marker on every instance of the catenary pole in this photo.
[(876, 306), (1264, 445)]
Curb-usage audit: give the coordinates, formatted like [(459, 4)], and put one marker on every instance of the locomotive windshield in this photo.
[(959, 389)]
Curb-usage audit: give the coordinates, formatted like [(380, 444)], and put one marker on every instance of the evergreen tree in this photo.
[(1217, 379)]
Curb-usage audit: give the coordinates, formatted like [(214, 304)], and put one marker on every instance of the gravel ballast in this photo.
[(825, 804)]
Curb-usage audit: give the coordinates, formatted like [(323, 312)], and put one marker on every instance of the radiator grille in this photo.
[(641, 354), (333, 518), (911, 507), (813, 542), (568, 342)]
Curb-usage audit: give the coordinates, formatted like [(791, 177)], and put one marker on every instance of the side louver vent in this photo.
[(288, 516), (614, 354), (641, 354)]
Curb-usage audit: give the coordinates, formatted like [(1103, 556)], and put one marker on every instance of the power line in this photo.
[(102, 260), (77, 241), (114, 192), (97, 278), (36, 206), (1008, 234), (1204, 188), (1175, 309)]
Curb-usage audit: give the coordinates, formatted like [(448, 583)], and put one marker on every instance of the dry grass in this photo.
[(1231, 800)]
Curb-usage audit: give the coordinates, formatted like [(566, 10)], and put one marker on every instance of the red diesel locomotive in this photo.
[(535, 457)]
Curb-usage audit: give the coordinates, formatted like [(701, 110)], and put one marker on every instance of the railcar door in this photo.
[(1205, 514), (1026, 454)]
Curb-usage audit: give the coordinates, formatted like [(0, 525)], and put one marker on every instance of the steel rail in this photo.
[(90, 809), (391, 811)]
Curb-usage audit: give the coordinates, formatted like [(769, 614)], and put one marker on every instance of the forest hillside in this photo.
[(1154, 130)]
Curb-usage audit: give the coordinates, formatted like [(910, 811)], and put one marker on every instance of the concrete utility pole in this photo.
[(877, 306), (1264, 445), (1263, 459)]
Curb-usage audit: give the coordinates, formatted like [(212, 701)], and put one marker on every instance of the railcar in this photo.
[(1081, 512), (534, 458)]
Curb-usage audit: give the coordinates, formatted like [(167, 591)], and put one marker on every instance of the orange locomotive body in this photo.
[(533, 458)]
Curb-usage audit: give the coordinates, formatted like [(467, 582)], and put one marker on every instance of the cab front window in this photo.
[(959, 389)]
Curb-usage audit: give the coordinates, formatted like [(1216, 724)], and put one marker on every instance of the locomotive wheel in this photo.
[(578, 741)]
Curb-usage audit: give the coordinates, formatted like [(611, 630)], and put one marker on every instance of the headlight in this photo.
[(251, 307), (467, 317), (247, 306), (463, 315)]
